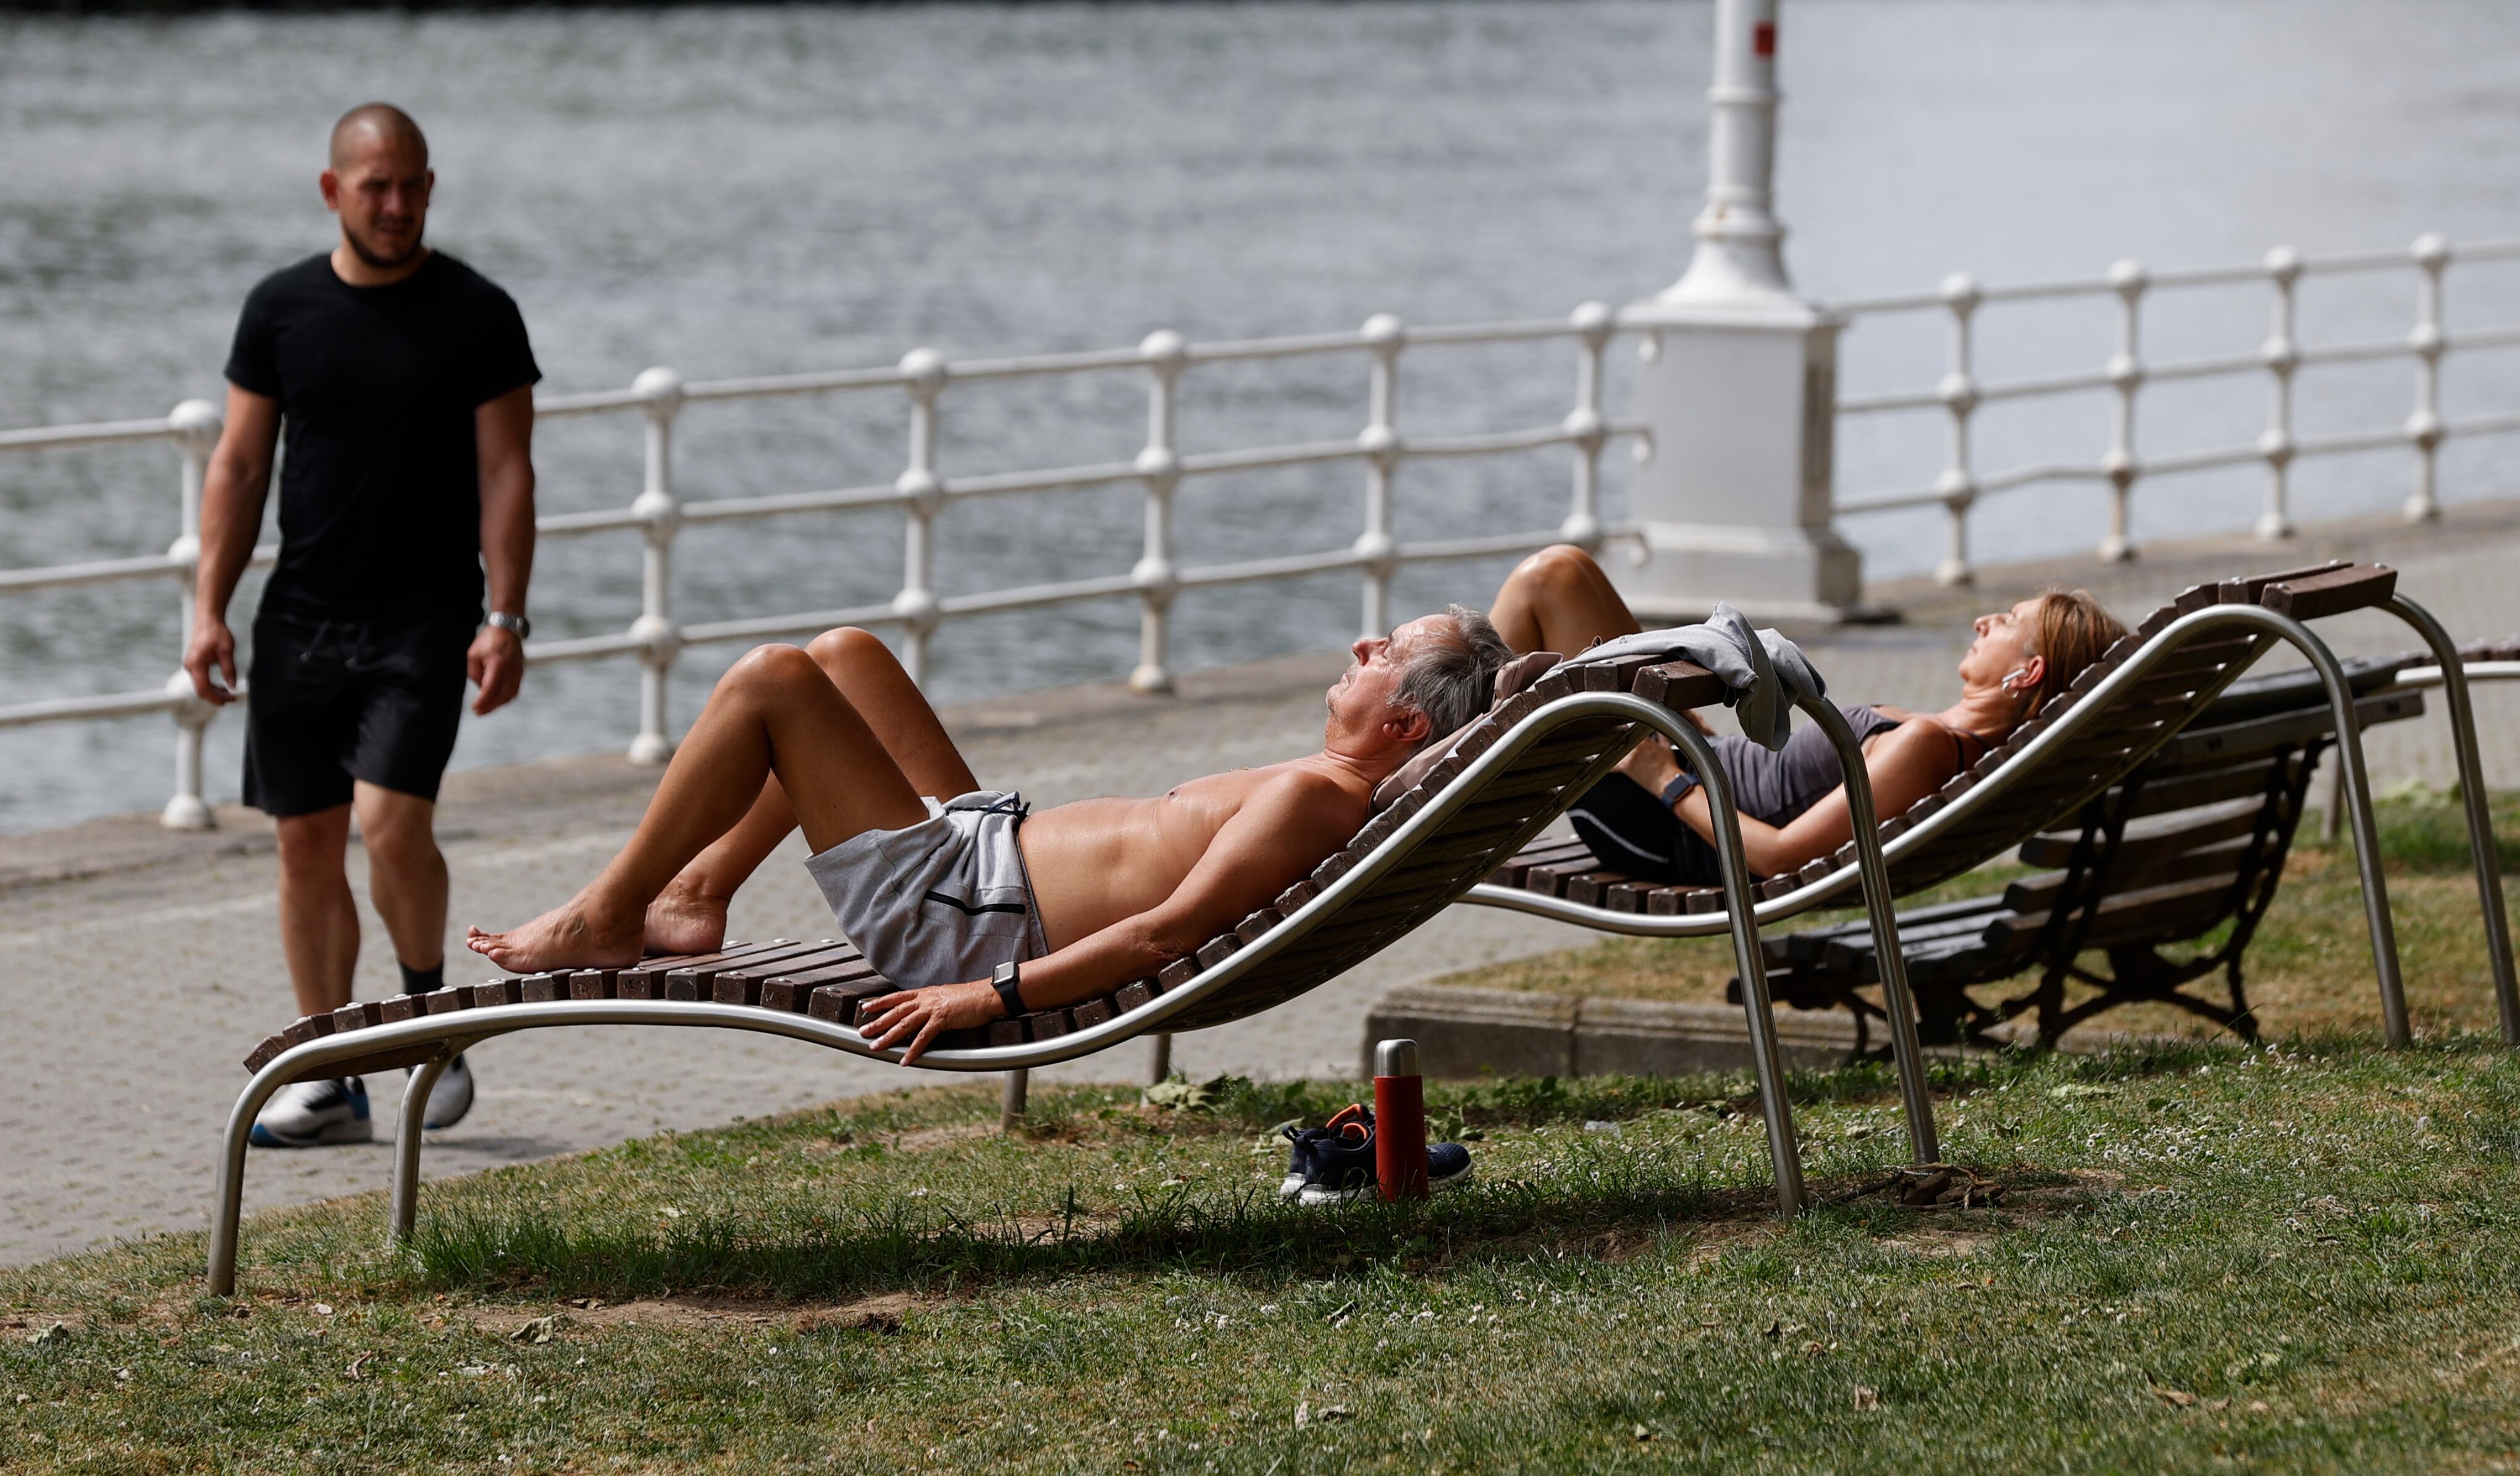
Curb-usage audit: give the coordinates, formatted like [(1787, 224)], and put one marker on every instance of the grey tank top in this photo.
[(1780, 785)]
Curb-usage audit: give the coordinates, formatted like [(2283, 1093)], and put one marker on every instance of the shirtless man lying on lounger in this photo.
[(938, 882)]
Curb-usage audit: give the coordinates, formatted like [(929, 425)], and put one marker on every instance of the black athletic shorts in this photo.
[(334, 700), (1628, 829)]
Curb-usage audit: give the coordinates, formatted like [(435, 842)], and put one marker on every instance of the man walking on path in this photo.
[(405, 384)]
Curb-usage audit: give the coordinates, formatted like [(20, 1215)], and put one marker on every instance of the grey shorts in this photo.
[(941, 901)]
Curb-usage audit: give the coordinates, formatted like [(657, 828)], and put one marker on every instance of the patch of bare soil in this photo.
[(879, 1313)]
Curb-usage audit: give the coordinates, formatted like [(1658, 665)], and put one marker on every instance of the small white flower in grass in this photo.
[(323, 1310), (670, 1212), (919, 1193)]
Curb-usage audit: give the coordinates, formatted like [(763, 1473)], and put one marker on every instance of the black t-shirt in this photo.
[(381, 488)]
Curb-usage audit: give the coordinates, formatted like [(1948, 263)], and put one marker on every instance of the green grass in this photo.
[(2303, 1259), (2307, 970)]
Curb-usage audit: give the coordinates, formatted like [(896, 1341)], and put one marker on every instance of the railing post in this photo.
[(2424, 427), (1159, 468), (2126, 376), (916, 606), (1958, 484), (660, 516), (2282, 355), (195, 425), (1594, 322), (1375, 549)]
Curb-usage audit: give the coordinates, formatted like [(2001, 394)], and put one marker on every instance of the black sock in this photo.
[(421, 981)]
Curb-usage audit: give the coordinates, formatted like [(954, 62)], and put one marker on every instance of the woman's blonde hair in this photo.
[(2072, 631)]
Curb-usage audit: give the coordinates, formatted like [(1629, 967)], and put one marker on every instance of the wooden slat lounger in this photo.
[(2148, 690), (2195, 838), (1506, 777)]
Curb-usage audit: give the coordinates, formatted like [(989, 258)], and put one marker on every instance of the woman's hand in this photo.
[(919, 1016), (1650, 764)]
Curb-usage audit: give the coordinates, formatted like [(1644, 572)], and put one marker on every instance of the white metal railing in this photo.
[(920, 492), (1960, 394)]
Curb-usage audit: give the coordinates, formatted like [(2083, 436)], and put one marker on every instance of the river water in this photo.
[(738, 192)]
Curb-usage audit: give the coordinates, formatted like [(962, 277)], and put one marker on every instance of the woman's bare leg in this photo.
[(689, 915), (775, 712), (1560, 600)]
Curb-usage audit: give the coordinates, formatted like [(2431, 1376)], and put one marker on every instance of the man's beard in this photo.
[(360, 249)]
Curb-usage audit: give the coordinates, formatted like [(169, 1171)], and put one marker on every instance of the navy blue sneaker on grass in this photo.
[(1342, 1168), (314, 1114), (1304, 1142), (1447, 1165)]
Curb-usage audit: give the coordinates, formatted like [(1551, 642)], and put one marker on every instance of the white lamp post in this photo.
[(1739, 384)]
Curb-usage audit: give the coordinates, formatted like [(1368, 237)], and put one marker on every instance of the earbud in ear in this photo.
[(2012, 679)]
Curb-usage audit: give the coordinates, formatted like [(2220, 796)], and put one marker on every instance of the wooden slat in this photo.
[(447, 1001), (1047, 1025), (1092, 1012), (1174, 975), (1008, 1032), (358, 1014), (2247, 589), (1217, 949), (2154, 835), (590, 984), (2199, 748), (1137, 995), (2358, 586), (1591, 889), (2177, 906), (1680, 686), (839, 1003), (2038, 894), (792, 993), (2210, 786), (692, 980), (543, 989), (496, 993)]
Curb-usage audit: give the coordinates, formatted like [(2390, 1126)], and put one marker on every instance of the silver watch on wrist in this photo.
[(524, 628)]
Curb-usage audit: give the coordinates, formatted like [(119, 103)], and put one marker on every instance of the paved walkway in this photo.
[(140, 965)]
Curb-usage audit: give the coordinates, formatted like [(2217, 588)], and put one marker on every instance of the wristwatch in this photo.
[(1006, 982), (524, 628)]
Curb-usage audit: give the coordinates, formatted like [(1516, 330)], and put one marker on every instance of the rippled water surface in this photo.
[(734, 192)]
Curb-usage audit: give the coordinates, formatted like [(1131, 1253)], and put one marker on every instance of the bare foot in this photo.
[(574, 935), (681, 921)]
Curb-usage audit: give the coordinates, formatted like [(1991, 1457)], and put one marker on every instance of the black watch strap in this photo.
[(1679, 785), (1007, 981)]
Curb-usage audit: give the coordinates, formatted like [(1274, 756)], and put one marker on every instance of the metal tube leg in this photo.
[(1159, 1057), (1878, 900), (2356, 779), (231, 1205), (2480, 819), (408, 1127), (1011, 1106), (1769, 1061)]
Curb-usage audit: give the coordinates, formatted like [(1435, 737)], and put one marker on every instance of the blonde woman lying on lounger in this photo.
[(1650, 818), (976, 909)]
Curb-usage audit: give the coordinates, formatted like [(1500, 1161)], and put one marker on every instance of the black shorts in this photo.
[(334, 700), (1631, 831)]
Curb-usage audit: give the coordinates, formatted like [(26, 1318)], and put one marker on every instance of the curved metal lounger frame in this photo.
[(2091, 709), (443, 1037)]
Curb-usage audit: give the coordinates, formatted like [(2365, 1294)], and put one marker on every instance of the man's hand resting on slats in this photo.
[(919, 1016)]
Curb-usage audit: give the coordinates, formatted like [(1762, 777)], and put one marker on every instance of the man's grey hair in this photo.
[(1452, 680)]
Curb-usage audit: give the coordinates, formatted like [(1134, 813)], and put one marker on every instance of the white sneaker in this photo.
[(306, 1114), (451, 1097)]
